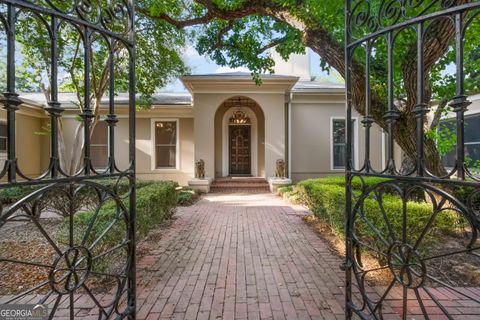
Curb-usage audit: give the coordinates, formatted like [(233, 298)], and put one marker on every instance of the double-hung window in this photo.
[(472, 141), (447, 130), (3, 138), (339, 143), (166, 133), (99, 145)]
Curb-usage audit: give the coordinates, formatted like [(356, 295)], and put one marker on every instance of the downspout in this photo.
[(289, 122), (384, 160)]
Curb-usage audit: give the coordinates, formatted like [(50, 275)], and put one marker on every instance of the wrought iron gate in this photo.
[(75, 267), (405, 222)]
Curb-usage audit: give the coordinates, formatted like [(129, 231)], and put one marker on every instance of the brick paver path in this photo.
[(251, 256), (240, 256)]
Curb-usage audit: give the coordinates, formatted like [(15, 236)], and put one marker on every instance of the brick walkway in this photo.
[(240, 256), (251, 256)]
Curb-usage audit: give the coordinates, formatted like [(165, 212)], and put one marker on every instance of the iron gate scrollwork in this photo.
[(73, 266), (413, 250)]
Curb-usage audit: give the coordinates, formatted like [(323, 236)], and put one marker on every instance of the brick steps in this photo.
[(239, 185)]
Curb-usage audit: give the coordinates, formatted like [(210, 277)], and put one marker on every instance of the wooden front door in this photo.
[(239, 149)]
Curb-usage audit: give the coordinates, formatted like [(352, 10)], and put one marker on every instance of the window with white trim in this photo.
[(339, 143), (166, 144), (3, 138), (447, 131), (99, 145)]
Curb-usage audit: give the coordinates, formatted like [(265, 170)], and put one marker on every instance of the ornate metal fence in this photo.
[(88, 259), (412, 227)]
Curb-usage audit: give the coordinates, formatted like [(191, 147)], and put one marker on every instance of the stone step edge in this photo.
[(232, 187), (243, 184)]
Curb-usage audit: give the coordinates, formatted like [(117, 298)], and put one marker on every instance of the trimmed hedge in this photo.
[(103, 226), (340, 181), (326, 199), (14, 194), (57, 201), (292, 193), (156, 202), (186, 197)]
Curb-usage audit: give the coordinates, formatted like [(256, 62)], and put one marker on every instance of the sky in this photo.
[(203, 65)]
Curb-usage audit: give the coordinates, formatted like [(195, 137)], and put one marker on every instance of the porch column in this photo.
[(274, 109), (204, 134)]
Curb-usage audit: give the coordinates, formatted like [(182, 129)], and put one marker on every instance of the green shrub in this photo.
[(155, 203), (123, 185), (292, 193), (186, 197), (467, 194), (326, 199), (284, 190), (340, 181), (13, 194), (59, 199)]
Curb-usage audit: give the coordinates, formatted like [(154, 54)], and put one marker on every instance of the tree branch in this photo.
[(180, 24), (102, 86), (262, 7), (72, 74), (221, 33), (437, 116), (437, 40), (92, 64), (272, 44)]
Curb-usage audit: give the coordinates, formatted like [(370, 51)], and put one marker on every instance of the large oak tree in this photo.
[(242, 33), (159, 47)]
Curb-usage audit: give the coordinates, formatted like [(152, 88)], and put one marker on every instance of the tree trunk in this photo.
[(405, 137), (77, 148), (405, 128), (437, 39), (61, 147), (76, 155)]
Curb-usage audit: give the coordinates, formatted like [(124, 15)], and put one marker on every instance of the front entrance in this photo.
[(239, 137)]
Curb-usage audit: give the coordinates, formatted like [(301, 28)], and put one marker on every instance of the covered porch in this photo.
[(240, 127)]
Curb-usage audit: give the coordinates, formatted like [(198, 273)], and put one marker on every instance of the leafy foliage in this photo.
[(244, 33), (245, 42), (445, 136), (155, 202), (186, 197), (23, 79), (159, 47), (326, 199)]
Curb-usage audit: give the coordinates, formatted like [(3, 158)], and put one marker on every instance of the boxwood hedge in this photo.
[(155, 202), (325, 197), (14, 194)]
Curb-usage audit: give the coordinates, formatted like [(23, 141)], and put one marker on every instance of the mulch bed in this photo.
[(458, 270), (23, 242), (16, 277)]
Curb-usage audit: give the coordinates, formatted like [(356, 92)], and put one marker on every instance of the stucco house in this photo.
[(238, 128)]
